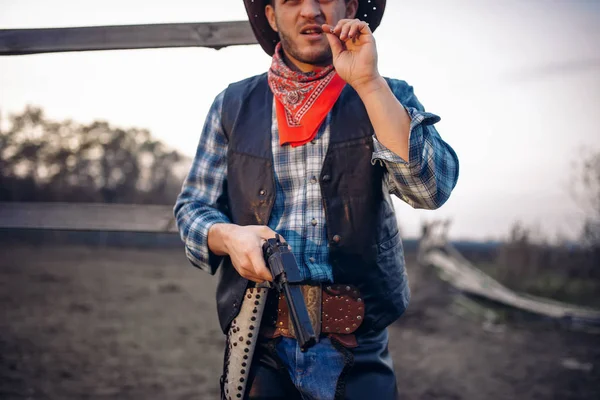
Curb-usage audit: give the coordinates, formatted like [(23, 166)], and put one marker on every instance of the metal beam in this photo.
[(87, 217), (47, 40)]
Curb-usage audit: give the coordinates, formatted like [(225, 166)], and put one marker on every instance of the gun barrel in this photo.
[(299, 315), (283, 267)]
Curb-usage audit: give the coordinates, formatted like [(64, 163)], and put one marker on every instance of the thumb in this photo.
[(267, 233), (335, 43)]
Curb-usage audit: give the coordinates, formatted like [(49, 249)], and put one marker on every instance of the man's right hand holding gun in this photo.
[(243, 244)]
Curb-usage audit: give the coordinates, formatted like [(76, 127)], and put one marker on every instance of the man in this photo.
[(312, 150)]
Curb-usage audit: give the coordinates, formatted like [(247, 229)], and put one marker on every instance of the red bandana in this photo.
[(302, 99)]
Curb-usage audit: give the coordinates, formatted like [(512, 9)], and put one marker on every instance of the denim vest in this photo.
[(365, 249)]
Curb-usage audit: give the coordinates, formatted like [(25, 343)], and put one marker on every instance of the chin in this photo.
[(320, 57)]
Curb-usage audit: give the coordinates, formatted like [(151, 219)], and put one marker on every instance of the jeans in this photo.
[(326, 371), (314, 372)]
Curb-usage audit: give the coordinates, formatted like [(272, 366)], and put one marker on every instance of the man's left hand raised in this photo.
[(354, 51)]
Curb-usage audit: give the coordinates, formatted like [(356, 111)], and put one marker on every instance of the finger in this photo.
[(349, 28), (246, 271), (332, 30), (267, 233), (336, 45), (259, 266), (328, 28), (345, 30), (337, 30), (356, 29), (255, 279), (364, 27)]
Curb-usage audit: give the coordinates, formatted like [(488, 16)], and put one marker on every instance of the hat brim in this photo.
[(370, 11)]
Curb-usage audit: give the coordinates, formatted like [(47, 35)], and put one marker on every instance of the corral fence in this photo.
[(109, 217), (434, 249)]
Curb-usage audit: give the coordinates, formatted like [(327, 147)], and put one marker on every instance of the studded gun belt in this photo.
[(335, 310)]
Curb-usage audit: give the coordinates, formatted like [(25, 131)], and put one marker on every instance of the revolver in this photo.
[(286, 277)]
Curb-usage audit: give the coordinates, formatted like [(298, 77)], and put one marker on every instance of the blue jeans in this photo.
[(326, 371), (314, 372)]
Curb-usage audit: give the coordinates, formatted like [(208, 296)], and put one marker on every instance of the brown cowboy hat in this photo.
[(370, 11)]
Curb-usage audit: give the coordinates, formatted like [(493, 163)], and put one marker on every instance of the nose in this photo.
[(311, 9)]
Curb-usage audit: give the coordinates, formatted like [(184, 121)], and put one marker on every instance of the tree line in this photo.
[(49, 161), (44, 160)]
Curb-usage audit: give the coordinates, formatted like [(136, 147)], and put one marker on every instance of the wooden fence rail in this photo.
[(47, 40), (88, 217), (109, 217)]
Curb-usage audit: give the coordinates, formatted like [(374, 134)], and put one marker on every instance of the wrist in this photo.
[(219, 237), (368, 86)]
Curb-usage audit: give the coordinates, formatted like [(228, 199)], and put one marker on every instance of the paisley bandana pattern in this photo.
[(303, 99)]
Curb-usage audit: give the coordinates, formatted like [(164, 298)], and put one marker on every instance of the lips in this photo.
[(311, 30)]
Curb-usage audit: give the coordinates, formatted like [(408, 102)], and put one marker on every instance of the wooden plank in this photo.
[(465, 282), (88, 217), (209, 34), (467, 278)]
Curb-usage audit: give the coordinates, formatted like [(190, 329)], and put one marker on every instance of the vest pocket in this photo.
[(389, 244), (391, 270)]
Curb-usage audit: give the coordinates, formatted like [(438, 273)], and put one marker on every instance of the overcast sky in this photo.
[(516, 83)]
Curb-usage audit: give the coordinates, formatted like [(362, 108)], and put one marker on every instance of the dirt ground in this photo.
[(84, 323)]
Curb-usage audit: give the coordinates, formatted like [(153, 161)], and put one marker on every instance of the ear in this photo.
[(270, 13), (351, 8)]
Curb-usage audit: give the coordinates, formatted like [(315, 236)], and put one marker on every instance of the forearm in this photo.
[(426, 175), (389, 118), (200, 205)]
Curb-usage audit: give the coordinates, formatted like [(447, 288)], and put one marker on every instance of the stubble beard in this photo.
[(322, 58)]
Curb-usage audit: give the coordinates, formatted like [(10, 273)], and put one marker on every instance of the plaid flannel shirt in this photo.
[(424, 181)]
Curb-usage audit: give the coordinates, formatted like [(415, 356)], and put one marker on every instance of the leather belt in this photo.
[(335, 310)]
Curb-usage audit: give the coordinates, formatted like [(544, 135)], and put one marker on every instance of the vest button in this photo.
[(336, 239), (262, 192), (326, 178)]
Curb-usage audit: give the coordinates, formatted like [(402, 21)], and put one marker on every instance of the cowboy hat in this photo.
[(370, 11)]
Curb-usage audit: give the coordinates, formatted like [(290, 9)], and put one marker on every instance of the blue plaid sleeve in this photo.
[(430, 174), (198, 206)]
